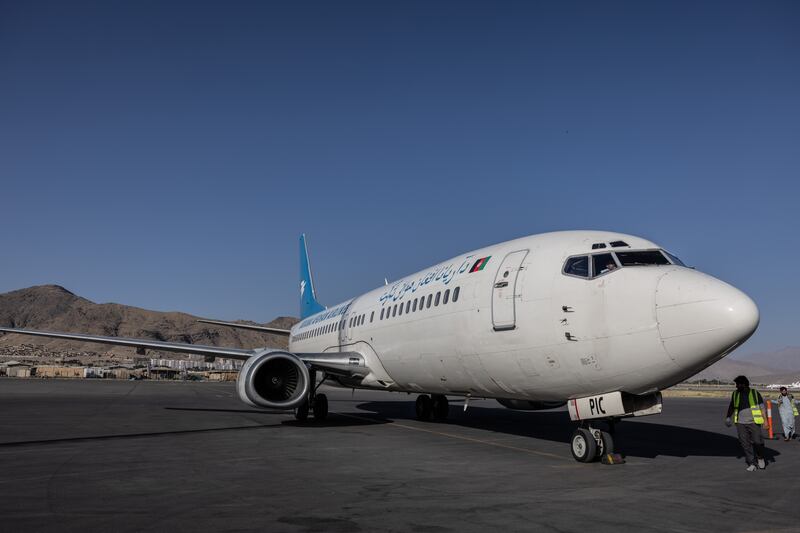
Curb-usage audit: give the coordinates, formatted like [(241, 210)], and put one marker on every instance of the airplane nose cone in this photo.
[(700, 318)]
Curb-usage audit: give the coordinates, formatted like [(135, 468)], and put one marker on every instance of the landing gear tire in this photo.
[(441, 407), (301, 412), (423, 407), (606, 444), (583, 446), (320, 407)]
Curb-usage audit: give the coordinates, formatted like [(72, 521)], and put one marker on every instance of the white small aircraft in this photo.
[(598, 320), (791, 386)]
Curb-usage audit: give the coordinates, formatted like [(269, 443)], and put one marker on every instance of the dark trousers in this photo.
[(751, 440)]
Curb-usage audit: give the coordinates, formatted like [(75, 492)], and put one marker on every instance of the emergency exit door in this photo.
[(505, 293)]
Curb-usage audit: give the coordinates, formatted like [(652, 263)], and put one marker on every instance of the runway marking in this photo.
[(459, 437), (41, 442)]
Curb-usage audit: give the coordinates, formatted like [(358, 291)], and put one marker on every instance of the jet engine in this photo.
[(277, 380), (527, 405)]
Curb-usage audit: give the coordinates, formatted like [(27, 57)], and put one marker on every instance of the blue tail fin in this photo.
[(308, 297)]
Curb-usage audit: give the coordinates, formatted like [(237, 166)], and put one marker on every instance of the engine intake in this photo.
[(277, 380)]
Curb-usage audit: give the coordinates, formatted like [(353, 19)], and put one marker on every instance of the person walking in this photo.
[(747, 410), (787, 407)]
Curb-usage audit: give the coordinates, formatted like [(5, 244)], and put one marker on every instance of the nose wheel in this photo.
[(588, 444)]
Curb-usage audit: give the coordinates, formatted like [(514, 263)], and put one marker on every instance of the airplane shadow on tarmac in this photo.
[(633, 438)]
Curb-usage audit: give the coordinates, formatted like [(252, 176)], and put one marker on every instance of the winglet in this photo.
[(308, 296)]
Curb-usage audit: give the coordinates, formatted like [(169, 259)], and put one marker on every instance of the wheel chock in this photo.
[(612, 459)]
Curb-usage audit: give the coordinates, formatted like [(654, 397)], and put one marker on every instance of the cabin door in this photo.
[(505, 291)]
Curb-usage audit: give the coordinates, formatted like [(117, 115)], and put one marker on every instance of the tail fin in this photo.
[(308, 296)]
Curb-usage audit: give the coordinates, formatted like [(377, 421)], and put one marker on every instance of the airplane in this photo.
[(791, 386), (597, 320)]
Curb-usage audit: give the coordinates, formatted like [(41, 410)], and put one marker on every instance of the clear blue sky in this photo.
[(167, 155)]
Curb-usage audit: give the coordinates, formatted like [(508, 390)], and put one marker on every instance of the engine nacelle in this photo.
[(277, 380), (527, 405)]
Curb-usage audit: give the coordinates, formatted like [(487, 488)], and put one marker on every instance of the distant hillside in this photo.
[(727, 369), (784, 359), (54, 308), (780, 366)]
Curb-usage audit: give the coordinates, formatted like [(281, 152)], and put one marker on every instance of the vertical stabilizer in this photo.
[(308, 296)]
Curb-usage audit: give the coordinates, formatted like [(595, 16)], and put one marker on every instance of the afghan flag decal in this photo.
[(479, 264)]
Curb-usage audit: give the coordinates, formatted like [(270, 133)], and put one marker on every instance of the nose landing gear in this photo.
[(590, 444)]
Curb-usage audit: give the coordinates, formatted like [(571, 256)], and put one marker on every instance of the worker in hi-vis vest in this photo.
[(747, 410), (787, 407)]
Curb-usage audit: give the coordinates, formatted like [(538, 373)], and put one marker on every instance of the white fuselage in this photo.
[(523, 328)]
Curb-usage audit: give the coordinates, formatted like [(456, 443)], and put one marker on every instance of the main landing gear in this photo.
[(590, 444), (435, 406), (317, 404)]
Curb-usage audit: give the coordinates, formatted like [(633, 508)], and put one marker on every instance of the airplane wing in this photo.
[(179, 347), (350, 364), (276, 331)]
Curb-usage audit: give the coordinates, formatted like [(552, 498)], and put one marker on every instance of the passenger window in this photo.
[(446, 297), (382, 314), (408, 306), (428, 304), (577, 266), (455, 294), (414, 307), (372, 317), (394, 311), (603, 263), (436, 301), (401, 310)]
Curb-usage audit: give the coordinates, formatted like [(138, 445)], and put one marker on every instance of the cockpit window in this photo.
[(644, 257), (597, 264), (577, 266), (674, 259), (602, 263)]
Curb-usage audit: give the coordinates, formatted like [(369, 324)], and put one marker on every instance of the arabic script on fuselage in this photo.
[(444, 274)]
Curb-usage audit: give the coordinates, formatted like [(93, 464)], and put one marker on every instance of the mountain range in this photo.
[(54, 308), (779, 366)]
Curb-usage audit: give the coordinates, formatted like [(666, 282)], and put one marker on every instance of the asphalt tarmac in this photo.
[(90, 455)]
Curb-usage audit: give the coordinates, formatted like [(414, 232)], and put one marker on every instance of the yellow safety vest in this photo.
[(758, 417)]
